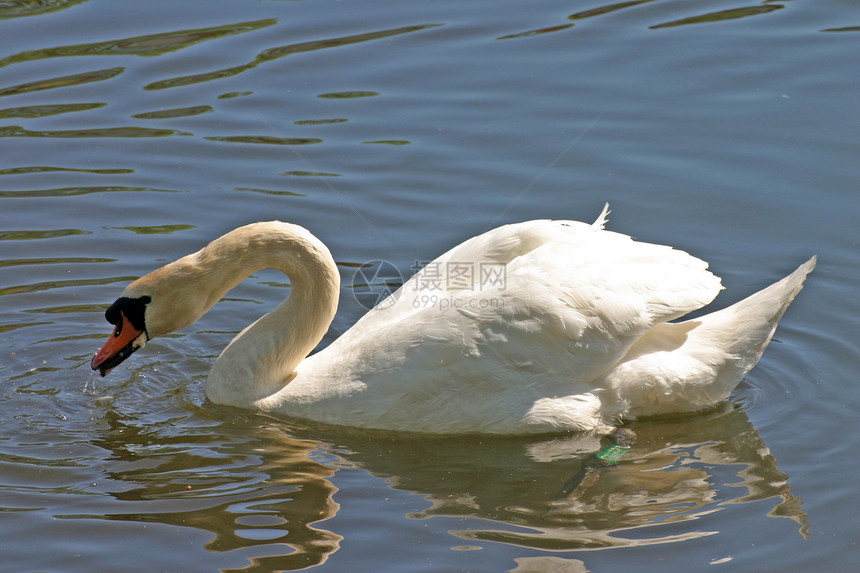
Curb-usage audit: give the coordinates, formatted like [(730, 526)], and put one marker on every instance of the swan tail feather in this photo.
[(754, 319), (739, 333), (695, 364)]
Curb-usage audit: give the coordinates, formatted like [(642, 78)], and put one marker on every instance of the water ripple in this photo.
[(50, 285), (348, 95), (74, 191), (32, 234), (63, 81), (18, 131), (53, 261), (34, 111), (149, 45), (20, 8), (178, 112), (156, 229), (609, 8), (265, 139), (310, 174), (282, 51), (45, 169), (269, 191), (537, 32), (721, 16)]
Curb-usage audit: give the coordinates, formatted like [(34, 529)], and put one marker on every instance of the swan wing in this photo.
[(548, 303)]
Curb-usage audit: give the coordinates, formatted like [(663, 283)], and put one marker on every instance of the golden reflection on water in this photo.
[(254, 488), (673, 474), (264, 488)]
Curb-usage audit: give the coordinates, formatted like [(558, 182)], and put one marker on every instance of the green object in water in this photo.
[(611, 454)]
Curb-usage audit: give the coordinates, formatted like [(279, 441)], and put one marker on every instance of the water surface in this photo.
[(133, 133)]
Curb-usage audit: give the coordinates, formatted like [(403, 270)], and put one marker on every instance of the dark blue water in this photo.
[(134, 133)]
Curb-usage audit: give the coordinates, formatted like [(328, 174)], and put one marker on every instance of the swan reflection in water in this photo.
[(264, 488), (679, 469)]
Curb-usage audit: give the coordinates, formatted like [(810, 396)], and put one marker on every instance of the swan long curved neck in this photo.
[(266, 353)]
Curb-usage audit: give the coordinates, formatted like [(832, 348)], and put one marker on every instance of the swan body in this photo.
[(561, 326)]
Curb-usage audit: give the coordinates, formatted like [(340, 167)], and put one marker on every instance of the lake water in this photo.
[(132, 133)]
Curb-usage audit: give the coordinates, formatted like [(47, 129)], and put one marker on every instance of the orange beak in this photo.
[(124, 340)]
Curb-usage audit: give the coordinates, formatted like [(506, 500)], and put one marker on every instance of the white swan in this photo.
[(561, 326)]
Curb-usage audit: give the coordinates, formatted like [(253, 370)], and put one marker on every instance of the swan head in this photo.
[(128, 315), (163, 301)]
